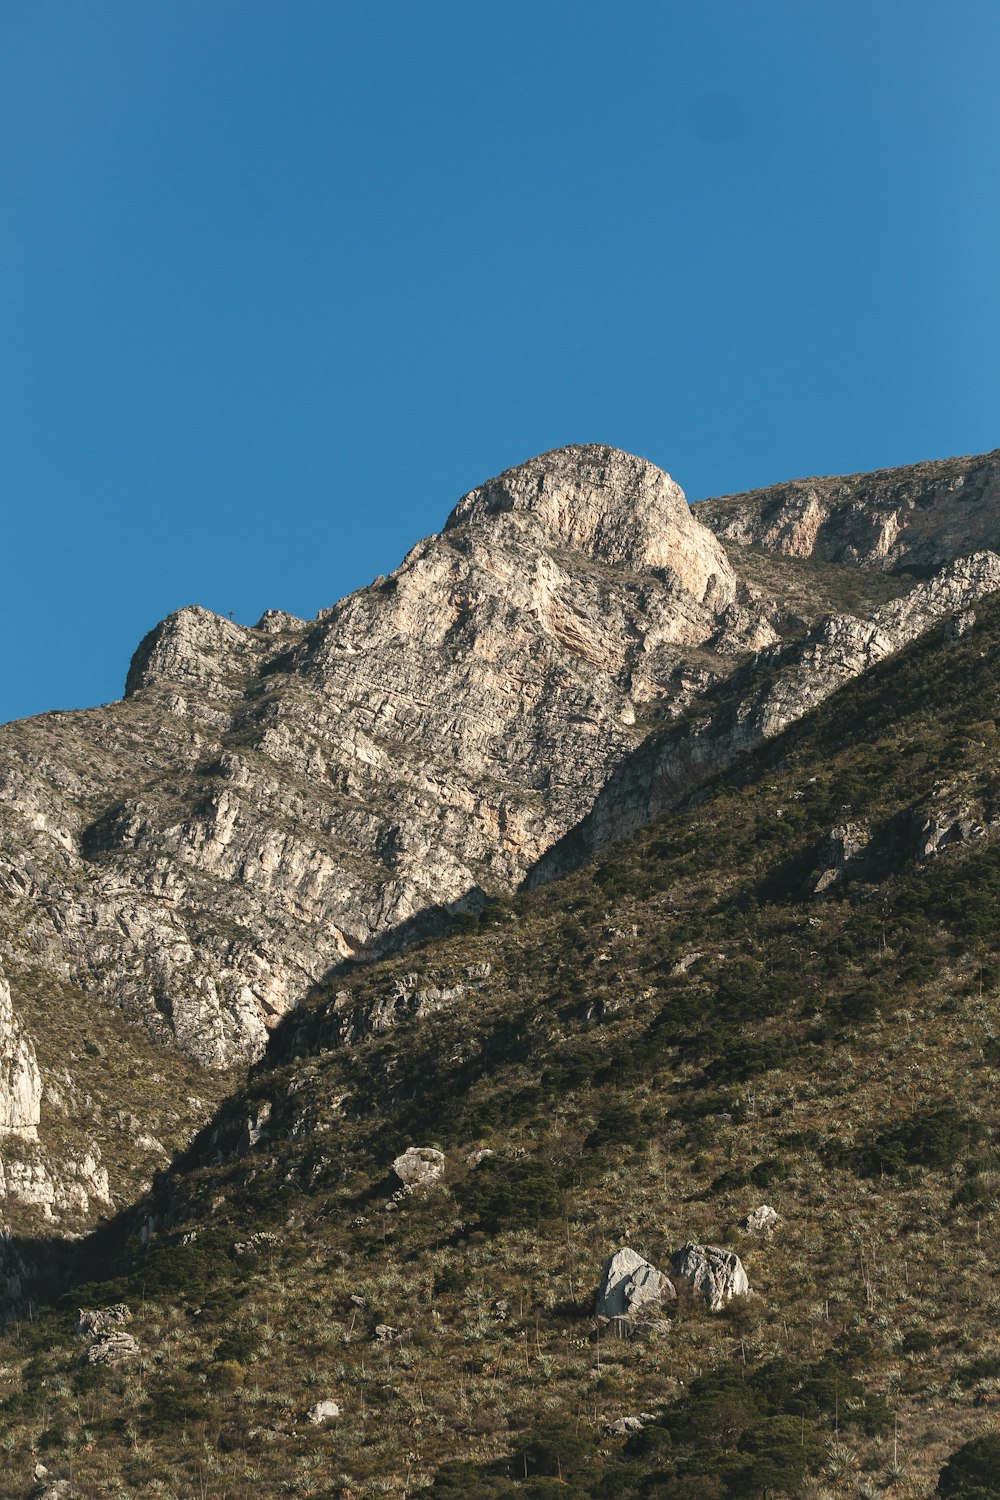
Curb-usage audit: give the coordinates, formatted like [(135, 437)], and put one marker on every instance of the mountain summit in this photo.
[(610, 506)]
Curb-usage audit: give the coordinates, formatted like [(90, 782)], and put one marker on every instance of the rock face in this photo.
[(921, 517), (780, 685), (715, 1274), (629, 1284), (612, 507), (419, 1166), (267, 802), (20, 1080)]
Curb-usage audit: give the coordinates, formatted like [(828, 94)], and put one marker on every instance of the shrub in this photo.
[(556, 1449), (973, 1471), (507, 1194)]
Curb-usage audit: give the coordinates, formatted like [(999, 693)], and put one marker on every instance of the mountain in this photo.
[(745, 789), (918, 518)]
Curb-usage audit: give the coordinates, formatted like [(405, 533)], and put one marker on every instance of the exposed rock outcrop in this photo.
[(20, 1080), (630, 1285), (779, 686), (323, 1411), (762, 1220), (715, 1274), (419, 1166), (921, 517)]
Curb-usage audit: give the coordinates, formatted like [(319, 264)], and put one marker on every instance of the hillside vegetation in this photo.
[(681, 1032)]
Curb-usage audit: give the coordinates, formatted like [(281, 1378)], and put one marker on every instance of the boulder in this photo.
[(93, 1322), (624, 1427), (323, 1411), (54, 1489), (113, 1348), (419, 1167), (715, 1274), (475, 1157), (762, 1220), (629, 1283)]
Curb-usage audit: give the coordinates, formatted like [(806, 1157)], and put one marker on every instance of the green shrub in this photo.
[(511, 1194), (973, 1471)]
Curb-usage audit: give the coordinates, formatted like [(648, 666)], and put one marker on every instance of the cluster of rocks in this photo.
[(633, 1291), (109, 1343)]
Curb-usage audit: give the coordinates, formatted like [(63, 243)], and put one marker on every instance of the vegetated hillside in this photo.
[(784, 993)]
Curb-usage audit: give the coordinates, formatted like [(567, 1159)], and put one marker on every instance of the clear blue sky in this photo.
[(283, 278)]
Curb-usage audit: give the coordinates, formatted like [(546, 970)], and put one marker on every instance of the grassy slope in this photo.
[(835, 1058)]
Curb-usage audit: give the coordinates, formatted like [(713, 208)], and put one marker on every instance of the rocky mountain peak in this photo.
[(611, 506)]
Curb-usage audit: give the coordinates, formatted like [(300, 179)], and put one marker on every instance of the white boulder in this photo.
[(323, 1411), (630, 1283), (762, 1220), (419, 1167), (714, 1273)]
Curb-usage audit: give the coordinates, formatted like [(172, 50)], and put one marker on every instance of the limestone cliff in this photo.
[(269, 801), (919, 517)]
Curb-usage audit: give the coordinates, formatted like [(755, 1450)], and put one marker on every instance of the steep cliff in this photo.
[(918, 517), (267, 802)]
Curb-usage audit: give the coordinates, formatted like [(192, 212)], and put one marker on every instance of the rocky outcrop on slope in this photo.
[(712, 1273), (268, 802), (779, 686), (920, 517), (630, 1285), (20, 1080)]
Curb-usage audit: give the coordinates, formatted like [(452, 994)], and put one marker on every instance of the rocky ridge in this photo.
[(916, 518)]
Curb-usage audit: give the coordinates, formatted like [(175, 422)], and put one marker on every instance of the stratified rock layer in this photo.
[(268, 802), (919, 517)]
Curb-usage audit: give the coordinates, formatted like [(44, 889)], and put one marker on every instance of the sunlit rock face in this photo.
[(269, 801), (920, 517), (20, 1080)]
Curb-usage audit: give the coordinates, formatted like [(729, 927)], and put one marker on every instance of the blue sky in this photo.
[(283, 280)]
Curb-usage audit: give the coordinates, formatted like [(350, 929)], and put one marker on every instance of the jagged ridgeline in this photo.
[(748, 1035)]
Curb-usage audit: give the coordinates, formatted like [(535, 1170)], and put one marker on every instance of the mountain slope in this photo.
[(784, 992), (571, 656)]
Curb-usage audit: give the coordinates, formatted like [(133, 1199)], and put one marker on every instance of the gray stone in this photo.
[(762, 1220), (714, 1273), (116, 1347), (630, 1284), (323, 1411), (93, 1322), (624, 1427), (419, 1166)]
